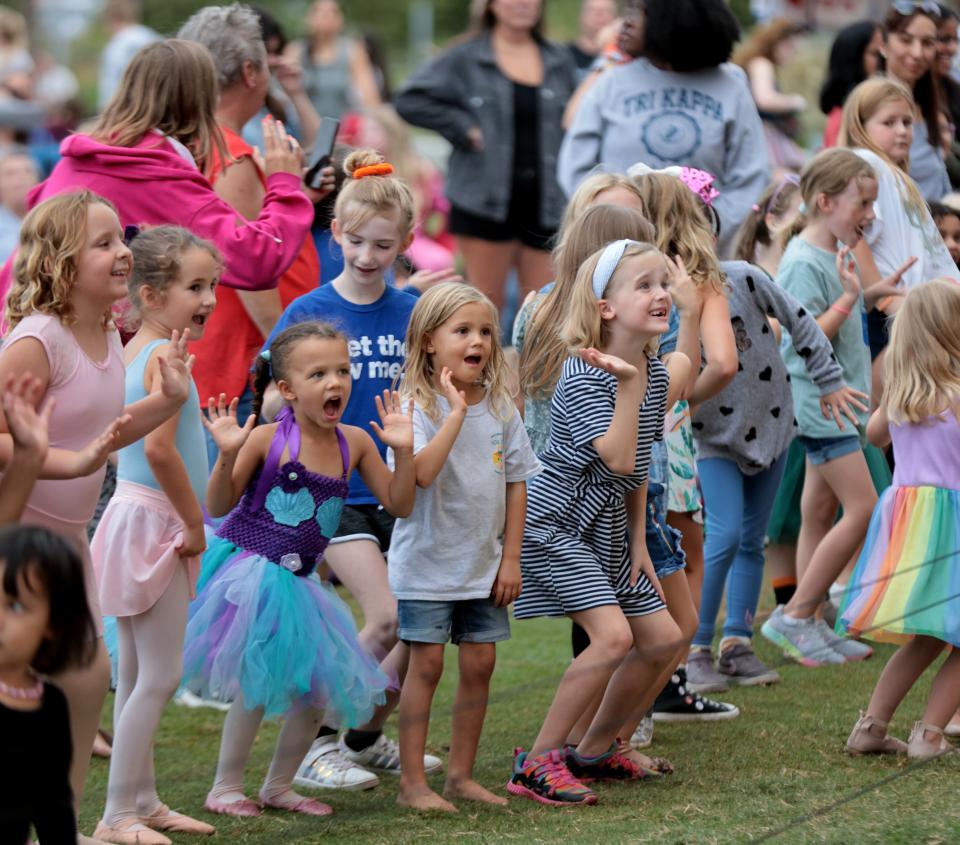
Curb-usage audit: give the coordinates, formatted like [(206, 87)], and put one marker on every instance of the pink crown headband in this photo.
[(698, 181)]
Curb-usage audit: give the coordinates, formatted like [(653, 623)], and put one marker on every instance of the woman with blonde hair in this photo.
[(147, 152)]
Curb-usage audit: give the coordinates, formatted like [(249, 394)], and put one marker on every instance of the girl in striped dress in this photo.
[(904, 586), (584, 553)]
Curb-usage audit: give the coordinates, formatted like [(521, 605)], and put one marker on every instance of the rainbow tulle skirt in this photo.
[(907, 581), (280, 640)]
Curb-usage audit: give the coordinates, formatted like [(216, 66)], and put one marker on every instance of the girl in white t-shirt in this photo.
[(455, 561)]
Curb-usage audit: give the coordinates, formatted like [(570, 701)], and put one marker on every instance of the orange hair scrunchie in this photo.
[(384, 169)]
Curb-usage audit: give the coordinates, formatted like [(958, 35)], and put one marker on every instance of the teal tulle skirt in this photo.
[(280, 640)]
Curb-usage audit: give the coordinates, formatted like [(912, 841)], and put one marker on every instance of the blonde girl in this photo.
[(71, 268), (904, 585), (147, 547), (373, 223), (839, 189), (584, 550), (472, 461)]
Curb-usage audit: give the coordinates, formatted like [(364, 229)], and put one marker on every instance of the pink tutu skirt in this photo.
[(135, 550)]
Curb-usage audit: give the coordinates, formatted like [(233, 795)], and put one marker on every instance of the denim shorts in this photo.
[(466, 621), (663, 541), (821, 450)]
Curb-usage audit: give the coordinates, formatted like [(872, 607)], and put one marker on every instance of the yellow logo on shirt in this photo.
[(497, 442)]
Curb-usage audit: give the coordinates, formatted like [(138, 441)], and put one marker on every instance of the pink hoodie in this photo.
[(151, 183)]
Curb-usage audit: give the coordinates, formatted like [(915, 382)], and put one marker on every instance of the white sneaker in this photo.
[(384, 756), (325, 767), (185, 698)]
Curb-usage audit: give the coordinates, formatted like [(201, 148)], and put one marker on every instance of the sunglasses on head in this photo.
[(911, 7)]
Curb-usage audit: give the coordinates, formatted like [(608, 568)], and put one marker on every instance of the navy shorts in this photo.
[(365, 522), (466, 621)]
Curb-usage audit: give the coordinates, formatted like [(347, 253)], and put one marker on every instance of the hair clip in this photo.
[(755, 208), (384, 169), (700, 182), (803, 208), (265, 354)]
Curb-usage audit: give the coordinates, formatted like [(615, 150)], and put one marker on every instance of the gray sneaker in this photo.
[(643, 735), (800, 639), (701, 676), (744, 668), (849, 649)]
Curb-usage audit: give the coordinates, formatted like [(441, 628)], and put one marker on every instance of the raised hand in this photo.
[(838, 402), (28, 428), (456, 398), (847, 270), (281, 152), (176, 364), (221, 422), (683, 291), (423, 280), (889, 285), (94, 455), (396, 425), (609, 363)]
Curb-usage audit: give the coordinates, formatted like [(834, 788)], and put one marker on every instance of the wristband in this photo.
[(841, 309)]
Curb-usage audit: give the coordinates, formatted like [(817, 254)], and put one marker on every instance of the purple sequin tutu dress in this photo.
[(263, 624)]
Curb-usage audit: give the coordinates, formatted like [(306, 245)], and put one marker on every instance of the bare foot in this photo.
[(470, 790), (424, 800)]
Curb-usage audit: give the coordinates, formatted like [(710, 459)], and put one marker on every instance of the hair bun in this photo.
[(361, 158)]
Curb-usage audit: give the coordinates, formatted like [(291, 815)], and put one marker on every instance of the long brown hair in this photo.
[(761, 43), (171, 87)]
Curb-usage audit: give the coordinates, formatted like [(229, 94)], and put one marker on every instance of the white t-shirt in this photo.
[(900, 231), (449, 548)]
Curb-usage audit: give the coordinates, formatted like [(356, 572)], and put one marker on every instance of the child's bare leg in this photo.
[(693, 549), (849, 480), (85, 690), (818, 511), (900, 674), (945, 693), (469, 709), (611, 638), (657, 640), (416, 698)]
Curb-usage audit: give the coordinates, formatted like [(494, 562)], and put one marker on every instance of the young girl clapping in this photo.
[(455, 561), (147, 547)]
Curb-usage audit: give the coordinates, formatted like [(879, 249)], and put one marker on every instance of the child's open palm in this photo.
[(221, 422), (683, 291), (609, 363), (457, 398), (396, 425), (175, 367), (847, 270), (28, 428)]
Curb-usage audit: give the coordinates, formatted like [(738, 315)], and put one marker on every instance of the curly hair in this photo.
[(52, 236)]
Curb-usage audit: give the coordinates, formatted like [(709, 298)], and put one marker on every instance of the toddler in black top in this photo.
[(45, 627)]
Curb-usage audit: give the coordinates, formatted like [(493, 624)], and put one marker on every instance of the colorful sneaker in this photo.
[(676, 703), (325, 767), (744, 668), (701, 676), (800, 639), (643, 735), (384, 756), (611, 765), (847, 647), (547, 779)]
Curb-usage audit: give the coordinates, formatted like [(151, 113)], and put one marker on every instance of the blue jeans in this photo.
[(738, 507)]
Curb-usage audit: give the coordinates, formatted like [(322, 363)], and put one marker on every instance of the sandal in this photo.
[(920, 748), (163, 818), (864, 739), (129, 832), (244, 808)]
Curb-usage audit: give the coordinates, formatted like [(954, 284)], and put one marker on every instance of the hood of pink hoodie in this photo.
[(92, 164)]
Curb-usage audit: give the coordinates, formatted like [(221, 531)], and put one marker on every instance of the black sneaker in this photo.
[(676, 703)]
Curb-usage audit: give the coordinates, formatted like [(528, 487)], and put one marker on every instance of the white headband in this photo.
[(608, 264)]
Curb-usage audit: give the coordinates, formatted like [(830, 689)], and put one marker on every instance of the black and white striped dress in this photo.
[(576, 553)]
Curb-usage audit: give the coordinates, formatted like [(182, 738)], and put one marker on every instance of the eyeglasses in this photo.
[(911, 7)]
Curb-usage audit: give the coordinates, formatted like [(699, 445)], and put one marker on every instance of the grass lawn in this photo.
[(776, 774)]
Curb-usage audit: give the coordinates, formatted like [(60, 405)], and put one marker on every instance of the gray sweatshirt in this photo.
[(706, 119), (751, 420)]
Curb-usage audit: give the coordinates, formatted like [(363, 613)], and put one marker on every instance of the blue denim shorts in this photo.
[(663, 541), (821, 450), (467, 621)]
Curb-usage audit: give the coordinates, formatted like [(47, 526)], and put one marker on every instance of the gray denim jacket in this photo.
[(463, 87)]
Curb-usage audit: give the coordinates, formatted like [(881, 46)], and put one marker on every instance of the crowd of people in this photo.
[(729, 351)]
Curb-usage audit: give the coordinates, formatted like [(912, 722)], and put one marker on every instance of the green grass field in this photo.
[(775, 774)]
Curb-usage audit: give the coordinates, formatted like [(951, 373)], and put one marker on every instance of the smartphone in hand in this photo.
[(321, 152)]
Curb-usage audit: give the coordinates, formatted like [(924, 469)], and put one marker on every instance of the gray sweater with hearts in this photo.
[(751, 420)]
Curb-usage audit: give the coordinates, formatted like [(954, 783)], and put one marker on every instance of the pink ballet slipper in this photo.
[(165, 819), (244, 808), (307, 806)]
